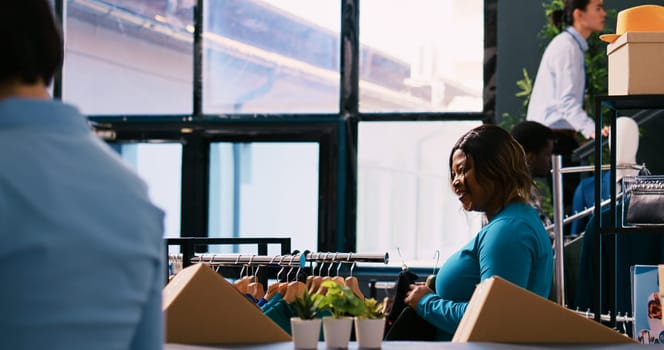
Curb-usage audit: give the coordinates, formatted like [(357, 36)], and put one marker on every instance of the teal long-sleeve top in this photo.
[(513, 245)]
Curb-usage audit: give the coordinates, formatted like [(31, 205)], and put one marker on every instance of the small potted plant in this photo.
[(370, 325), (343, 304), (305, 328)]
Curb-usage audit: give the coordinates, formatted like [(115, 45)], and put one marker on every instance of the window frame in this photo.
[(337, 134)]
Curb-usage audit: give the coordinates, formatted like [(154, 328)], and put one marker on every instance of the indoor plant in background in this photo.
[(370, 325), (343, 304), (305, 328)]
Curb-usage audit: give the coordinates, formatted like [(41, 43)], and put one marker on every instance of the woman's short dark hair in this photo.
[(32, 43), (497, 158), (532, 136), (565, 17)]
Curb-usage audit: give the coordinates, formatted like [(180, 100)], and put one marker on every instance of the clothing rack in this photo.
[(558, 210), (605, 317), (296, 260), (271, 266), (584, 213)]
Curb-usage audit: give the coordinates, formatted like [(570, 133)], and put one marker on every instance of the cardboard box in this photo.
[(636, 64), (502, 312), (201, 307)]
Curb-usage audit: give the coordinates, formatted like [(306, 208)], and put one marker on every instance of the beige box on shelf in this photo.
[(201, 307), (502, 312), (636, 64)]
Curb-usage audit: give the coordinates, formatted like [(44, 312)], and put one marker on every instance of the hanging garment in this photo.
[(403, 323), (631, 249)]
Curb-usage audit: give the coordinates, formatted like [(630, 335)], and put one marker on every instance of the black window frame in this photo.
[(337, 134)]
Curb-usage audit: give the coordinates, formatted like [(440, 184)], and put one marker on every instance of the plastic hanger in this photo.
[(316, 281), (431, 279), (337, 278), (274, 287), (243, 281), (352, 282), (255, 288), (296, 288)]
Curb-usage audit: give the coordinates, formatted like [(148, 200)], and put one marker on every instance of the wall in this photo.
[(519, 22), (519, 47)]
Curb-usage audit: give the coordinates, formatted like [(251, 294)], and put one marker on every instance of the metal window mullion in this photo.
[(344, 237), (60, 13), (198, 60)]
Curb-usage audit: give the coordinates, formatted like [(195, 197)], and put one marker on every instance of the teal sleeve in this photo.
[(444, 314), (507, 250)]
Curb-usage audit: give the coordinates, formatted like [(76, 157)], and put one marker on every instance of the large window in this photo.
[(423, 57), (327, 121), (264, 189), (278, 56), (128, 56), (405, 204), (159, 166)]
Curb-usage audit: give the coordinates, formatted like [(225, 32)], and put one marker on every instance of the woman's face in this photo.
[(472, 194), (593, 17)]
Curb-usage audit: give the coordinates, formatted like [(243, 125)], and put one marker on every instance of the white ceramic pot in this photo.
[(337, 332), (305, 333), (369, 332)]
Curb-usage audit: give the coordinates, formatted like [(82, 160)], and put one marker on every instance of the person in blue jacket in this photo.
[(81, 243), (488, 173)]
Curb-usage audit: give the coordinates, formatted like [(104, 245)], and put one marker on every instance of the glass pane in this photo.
[(160, 166), (424, 57), (404, 199), (264, 190), (129, 56), (276, 56)]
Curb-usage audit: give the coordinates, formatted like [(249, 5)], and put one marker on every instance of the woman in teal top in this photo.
[(488, 174)]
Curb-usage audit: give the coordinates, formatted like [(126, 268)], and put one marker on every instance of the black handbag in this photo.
[(643, 201)]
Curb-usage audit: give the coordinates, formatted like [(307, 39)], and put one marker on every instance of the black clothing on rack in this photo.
[(403, 323)]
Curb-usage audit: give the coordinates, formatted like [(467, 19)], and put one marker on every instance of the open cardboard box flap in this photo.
[(201, 307), (502, 312)]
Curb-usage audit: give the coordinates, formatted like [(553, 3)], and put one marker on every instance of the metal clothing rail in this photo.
[(584, 213), (558, 220), (290, 260), (605, 317)]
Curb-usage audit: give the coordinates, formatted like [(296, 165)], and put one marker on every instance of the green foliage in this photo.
[(526, 86), (340, 300), (307, 307), (550, 30), (547, 205), (373, 309)]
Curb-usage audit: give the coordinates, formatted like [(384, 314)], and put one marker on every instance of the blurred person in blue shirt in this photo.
[(81, 243)]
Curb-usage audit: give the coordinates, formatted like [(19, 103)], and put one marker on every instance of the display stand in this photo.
[(614, 104)]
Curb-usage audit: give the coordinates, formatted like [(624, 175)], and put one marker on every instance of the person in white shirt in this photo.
[(557, 97)]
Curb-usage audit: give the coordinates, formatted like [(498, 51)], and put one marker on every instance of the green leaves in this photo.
[(340, 300), (308, 306), (373, 309)]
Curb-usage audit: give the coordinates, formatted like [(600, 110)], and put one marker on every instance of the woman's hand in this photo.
[(416, 292)]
